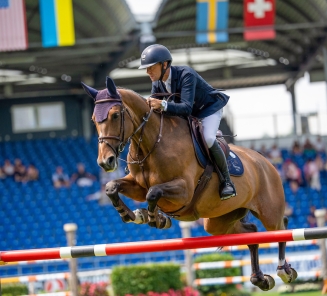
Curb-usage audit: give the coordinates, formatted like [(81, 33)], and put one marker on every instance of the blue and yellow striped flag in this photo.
[(57, 23), (211, 15)]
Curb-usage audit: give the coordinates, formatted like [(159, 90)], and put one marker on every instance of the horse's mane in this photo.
[(119, 87)]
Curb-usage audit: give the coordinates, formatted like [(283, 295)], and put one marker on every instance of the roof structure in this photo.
[(301, 33), (108, 41), (105, 30)]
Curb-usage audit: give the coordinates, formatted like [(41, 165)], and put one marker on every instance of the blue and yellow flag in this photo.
[(57, 23), (211, 15)]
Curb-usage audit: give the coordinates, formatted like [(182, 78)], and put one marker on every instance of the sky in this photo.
[(265, 111)]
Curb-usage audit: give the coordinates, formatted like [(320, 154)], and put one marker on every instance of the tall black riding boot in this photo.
[(227, 188)]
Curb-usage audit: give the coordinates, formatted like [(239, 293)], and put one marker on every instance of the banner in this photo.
[(258, 15), (212, 16), (57, 23), (13, 30)]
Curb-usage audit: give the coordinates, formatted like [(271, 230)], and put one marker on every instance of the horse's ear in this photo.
[(90, 91), (111, 87)]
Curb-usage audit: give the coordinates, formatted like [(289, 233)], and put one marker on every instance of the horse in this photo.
[(164, 172)]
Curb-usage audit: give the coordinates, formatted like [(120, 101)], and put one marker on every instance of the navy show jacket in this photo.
[(198, 98)]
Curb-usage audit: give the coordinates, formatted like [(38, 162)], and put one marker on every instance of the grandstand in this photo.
[(33, 214)]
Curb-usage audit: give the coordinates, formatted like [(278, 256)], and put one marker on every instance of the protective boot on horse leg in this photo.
[(210, 126)]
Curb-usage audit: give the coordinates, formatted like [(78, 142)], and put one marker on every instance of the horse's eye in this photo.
[(115, 115)]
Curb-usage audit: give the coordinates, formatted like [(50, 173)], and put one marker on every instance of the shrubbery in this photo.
[(141, 279), (14, 289)]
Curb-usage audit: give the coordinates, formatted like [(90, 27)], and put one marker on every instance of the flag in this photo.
[(13, 30), (211, 15), (257, 15), (57, 23)]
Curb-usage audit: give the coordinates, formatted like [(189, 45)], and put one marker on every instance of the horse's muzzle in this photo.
[(109, 165)]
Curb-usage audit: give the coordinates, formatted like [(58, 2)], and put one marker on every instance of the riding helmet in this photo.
[(154, 54)]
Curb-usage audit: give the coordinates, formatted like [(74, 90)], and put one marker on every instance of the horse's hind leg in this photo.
[(263, 281), (233, 222), (284, 270)]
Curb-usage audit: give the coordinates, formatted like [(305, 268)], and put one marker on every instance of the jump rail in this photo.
[(164, 245)]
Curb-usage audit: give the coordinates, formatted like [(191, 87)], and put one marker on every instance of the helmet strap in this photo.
[(163, 71)]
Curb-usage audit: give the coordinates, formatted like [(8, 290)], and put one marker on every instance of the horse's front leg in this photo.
[(175, 194), (130, 188)]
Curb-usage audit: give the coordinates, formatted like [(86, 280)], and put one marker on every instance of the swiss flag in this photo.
[(259, 15)]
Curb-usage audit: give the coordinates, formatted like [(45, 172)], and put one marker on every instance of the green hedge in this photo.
[(229, 289), (14, 289), (139, 279)]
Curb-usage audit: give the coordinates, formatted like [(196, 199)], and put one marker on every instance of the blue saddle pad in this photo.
[(235, 165)]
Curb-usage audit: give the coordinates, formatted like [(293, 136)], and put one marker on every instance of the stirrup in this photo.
[(229, 196)]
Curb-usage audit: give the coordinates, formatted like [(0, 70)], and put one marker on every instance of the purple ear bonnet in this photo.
[(102, 109)]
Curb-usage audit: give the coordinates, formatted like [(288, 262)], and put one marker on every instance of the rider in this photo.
[(198, 99)]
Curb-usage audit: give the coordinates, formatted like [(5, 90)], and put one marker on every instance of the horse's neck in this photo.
[(138, 109)]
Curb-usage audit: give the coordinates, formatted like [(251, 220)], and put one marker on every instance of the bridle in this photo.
[(103, 139), (123, 143)]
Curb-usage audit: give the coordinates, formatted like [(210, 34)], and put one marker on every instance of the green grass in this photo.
[(315, 293)]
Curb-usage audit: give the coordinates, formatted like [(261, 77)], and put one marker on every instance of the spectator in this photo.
[(319, 145), (309, 150), (292, 172), (32, 173), (275, 155), (296, 149), (312, 174), (288, 210), (81, 177), (20, 171), (2, 174), (8, 168), (59, 178), (263, 150), (312, 218)]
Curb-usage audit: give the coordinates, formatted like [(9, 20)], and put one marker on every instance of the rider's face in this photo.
[(154, 72)]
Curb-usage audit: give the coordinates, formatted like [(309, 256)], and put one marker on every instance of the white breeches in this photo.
[(210, 127)]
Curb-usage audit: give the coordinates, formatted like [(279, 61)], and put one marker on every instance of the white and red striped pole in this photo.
[(165, 245)]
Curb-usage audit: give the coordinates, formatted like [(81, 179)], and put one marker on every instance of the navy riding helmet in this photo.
[(153, 54)]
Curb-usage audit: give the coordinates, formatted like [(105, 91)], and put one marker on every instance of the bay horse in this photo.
[(164, 172)]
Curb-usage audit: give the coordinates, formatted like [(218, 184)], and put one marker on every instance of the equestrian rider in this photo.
[(198, 99)]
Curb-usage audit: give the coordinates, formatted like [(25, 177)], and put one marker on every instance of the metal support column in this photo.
[(186, 232), (294, 110), (70, 229), (321, 219), (86, 119)]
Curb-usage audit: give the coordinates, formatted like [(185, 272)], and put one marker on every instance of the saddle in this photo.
[(203, 156)]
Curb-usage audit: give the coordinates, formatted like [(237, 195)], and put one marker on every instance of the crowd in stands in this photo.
[(18, 171), (303, 166), (81, 177)]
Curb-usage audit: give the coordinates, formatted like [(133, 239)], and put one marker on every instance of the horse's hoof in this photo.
[(141, 216), (164, 221), (287, 278), (265, 284)]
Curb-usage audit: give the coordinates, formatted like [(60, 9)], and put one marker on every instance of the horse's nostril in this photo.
[(111, 161)]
